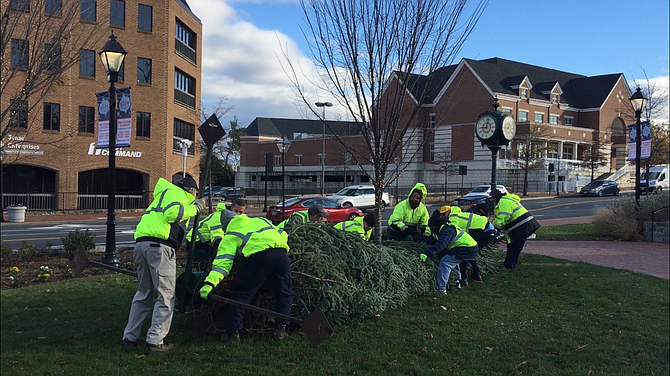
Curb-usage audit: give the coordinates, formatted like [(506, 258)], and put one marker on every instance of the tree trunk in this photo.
[(525, 180)]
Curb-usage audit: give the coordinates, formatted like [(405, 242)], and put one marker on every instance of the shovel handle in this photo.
[(255, 308), (112, 268)]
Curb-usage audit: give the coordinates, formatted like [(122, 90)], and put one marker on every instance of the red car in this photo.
[(336, 212)]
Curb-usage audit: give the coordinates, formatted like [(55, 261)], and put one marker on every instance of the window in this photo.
[(432, 152), (506, 152), (524, 93), (523, 116), (86, 119), (321, 159), (18, 113), (52, 116), (539, 117), (19, 53), (568, 120), (87, 63), (143, 70), (554, 98), (144, 17), (183, 131), (185, 41), (298, 159), (184, 88), (22, 5), (433, 121), (567, 151), (53, 6), (143, 124), (553, 119), (507, 111), (52, 54), (87, 10), (277, 161), (117, 13), (552, 150)]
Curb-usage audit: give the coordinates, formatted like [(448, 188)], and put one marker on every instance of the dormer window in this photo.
[(524, 93), (554, 98)]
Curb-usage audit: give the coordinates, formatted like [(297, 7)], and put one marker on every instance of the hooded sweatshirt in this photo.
[(404, 214)]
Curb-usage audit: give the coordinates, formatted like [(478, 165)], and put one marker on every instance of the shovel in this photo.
[(315, 326), (80, 261)]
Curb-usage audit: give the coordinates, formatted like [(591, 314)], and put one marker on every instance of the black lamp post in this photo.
[(283, 145), (323, 106), (638, 100), (112, 55)]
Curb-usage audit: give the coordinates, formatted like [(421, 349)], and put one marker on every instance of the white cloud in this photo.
[(243, 63)]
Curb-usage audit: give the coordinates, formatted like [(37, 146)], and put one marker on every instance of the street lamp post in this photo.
[(185, 144), (112, 55), (323, 106), (283, 145), (638, 100)]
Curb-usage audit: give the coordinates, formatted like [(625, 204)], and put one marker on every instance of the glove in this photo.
[(423, 257), (205, 290), (201, 204)]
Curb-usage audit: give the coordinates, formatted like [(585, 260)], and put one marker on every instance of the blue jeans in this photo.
[(447, 263), (273, 265)]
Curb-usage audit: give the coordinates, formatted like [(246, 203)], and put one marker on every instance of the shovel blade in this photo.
[(79, 261), (316, 327)]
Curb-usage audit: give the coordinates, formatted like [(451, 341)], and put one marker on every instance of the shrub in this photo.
[(28, 250), (624, 220), (5, 250), (78, 238)]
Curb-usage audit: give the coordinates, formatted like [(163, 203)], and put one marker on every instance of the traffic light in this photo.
[(551, 167)]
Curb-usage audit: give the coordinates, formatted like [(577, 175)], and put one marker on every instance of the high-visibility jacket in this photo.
[(208, 225), (456, 241), (165, 219), (404, 215), (467, 221), (297, 218), (244, 236), (513, 217), (355, 226)]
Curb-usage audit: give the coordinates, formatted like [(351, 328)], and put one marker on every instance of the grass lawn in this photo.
[(549, 317), (576, 232)]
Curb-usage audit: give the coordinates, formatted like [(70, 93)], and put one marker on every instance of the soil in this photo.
[(58, 264)]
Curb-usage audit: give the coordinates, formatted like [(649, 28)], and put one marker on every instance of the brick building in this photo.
[(50, 160), (575, 110)]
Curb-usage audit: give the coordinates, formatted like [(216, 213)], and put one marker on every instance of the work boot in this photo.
[(128, 344), (150, 349), (280, 333), (440, 292), (234, 337), (464, 282), (477, 278)]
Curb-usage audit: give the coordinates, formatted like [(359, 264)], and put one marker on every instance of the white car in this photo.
[(482, 190), (359, 196)]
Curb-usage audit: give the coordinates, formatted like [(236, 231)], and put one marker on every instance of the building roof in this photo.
[(296, 129), (504, 76)]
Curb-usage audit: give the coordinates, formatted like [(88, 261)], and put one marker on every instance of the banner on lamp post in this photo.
[(124, 120), (645, 151)]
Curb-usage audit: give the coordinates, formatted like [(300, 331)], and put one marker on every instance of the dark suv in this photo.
[(600, 188)]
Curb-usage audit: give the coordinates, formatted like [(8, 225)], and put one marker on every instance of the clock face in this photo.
[(509, 128), (485, 127)]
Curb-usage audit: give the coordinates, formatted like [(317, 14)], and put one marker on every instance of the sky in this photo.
[(243, 42)]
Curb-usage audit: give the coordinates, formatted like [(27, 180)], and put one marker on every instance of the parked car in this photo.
[(215, 189), (600, 188), (485, 190), (359, 196), (228, 193), (336, 212)]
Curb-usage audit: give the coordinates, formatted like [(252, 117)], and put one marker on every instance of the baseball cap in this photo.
[(445, 209), (318, 210), (187, 183)]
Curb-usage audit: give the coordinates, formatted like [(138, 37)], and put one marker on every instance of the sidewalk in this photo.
[(647, 258)]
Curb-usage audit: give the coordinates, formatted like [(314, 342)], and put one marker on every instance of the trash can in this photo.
[(16, 213)]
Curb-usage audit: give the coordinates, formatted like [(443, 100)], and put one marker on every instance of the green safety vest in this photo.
[(245, 236), (462, 238), (403, 213), (295, 219), (355, 226), (171, 205), (467, 221), (208, 228), (507, 210)]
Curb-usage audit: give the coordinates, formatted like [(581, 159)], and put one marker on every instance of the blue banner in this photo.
[(124, 119)]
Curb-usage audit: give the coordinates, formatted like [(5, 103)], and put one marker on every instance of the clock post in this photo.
[(495, 129)]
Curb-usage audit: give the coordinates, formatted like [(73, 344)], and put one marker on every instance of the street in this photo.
[(47, 234)]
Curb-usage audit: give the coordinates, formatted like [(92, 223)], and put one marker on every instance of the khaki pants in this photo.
[(156, 270)]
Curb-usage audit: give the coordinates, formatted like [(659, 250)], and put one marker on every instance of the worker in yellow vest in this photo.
[(361, 225)]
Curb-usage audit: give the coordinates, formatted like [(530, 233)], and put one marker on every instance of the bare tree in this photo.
[(226, 151), (596, 155), (39, 42), (655, 112), (530, 148), (449, 167), (372, 54)]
